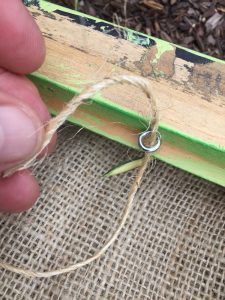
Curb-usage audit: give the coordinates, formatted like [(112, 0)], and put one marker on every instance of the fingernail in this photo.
[(20, 133)]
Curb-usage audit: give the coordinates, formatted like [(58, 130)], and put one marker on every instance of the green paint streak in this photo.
[(132, 36), (103, 28), (162, 47)]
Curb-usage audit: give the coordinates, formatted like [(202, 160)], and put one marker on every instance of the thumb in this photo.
[(21, 132)]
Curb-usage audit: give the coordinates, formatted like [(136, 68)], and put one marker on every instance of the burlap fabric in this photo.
[(172, 247)]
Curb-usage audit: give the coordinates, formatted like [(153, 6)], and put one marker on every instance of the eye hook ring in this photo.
[(149, 149)]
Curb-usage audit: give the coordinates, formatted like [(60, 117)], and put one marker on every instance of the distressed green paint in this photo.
[(211, 165), (161, 47), (50, 7), (131, 36)]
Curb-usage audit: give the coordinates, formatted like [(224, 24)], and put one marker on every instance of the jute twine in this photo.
[(51, 129)]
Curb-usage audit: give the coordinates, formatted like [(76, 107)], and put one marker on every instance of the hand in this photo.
[(22, 112)]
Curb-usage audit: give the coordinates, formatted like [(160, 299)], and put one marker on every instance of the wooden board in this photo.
[(190, 87)]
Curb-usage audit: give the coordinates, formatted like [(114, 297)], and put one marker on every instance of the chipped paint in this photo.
[(181, 73), (131, 35), (161, 47), (162, 62)]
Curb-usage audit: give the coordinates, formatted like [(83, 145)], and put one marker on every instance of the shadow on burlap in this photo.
[(172, 247)]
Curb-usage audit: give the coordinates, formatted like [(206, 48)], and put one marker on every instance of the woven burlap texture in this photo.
[(172, 247)]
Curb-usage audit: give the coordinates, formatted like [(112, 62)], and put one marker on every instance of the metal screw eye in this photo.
[(152, 148)]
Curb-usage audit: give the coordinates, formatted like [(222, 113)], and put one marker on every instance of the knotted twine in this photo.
[(51, 129)]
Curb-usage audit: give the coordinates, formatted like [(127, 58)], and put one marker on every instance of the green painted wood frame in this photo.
[(202, 158)]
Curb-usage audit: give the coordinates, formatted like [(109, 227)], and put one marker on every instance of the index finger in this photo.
[(22, 47)]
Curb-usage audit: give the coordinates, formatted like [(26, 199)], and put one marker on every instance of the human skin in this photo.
[(23, 114)]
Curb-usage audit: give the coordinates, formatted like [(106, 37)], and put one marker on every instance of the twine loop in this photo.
[(152, 138)]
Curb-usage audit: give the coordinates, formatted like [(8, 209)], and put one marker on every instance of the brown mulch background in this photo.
[(195, 24)]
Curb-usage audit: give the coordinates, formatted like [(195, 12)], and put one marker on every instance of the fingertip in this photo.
[(22, 132), (23, 89), (23, 117), (18, 192)]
